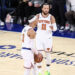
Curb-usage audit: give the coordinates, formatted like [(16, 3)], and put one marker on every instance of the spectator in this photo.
[(7, 6), (70, 14), (58, 10), (37, 5), (22, 12), (70, 4), (12, 3), (0, 9)]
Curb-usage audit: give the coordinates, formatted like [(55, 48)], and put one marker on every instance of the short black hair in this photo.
[(45, 4)]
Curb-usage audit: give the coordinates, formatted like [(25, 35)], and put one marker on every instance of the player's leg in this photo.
[(39, 47), (33, 66), (48, 63), (34, 70), (27, 56), (48, 47), (27, 71), (37, 69)]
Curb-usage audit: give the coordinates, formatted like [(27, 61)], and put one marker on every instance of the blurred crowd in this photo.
[(20, 10)]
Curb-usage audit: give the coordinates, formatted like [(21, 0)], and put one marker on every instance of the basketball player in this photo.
[(28, 47), (45, 25)]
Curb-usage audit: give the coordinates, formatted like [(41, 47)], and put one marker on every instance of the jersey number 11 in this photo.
[(43, 26)]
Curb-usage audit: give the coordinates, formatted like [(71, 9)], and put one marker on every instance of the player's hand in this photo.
[(51, 27)]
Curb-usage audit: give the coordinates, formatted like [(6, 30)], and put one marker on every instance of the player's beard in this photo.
[(45, 13)]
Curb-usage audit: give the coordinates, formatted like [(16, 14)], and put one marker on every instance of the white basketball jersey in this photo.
[(27, 41), (43, 26)]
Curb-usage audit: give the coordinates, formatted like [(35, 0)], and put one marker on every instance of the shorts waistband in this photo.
[(26, 48)]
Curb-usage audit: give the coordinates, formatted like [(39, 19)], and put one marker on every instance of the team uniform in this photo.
[(27, 46), (44, 33)]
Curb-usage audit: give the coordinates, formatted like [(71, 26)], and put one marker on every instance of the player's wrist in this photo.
[(54, 26), (51, 27)]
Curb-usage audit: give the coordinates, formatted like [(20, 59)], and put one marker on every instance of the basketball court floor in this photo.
[(11, 63)]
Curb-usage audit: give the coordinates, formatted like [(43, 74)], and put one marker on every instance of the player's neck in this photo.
[(44, 15)]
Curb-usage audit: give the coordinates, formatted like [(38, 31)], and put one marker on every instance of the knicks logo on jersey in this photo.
[(44, 24), (44, 21)]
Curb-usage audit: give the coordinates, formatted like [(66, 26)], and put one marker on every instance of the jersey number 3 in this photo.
[(43, 26)]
